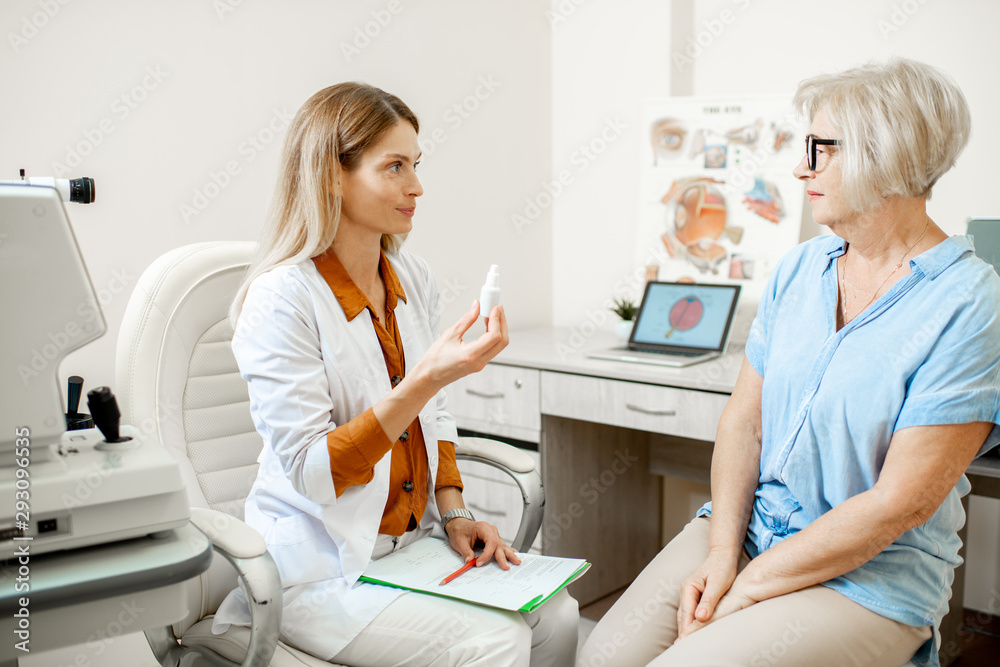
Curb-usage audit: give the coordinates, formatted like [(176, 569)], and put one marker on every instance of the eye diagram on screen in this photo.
[(685, 314)]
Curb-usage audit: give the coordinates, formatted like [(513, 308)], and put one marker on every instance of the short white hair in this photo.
[(902, 125)]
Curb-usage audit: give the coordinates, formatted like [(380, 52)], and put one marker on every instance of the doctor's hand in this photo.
[(463, 535), (450, 357)]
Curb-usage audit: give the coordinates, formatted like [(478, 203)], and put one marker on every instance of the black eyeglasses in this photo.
[(811, 142)]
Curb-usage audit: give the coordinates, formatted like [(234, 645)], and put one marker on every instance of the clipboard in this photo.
[(422, 565)]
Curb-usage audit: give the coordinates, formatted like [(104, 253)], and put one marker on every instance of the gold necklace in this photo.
[(843, 277)]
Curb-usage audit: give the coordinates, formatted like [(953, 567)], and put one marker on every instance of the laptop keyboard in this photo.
[(673, 353)]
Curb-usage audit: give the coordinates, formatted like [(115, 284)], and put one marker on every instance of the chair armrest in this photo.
[(245, 549), (521, 468), (496, 452), (227, 533)]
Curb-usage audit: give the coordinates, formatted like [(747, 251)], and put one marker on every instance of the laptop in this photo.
[(678, 324)]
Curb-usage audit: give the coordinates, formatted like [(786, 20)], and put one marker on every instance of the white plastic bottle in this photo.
[(489, 296)]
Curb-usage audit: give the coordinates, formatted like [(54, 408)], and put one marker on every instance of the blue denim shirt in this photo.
[(925, 353)]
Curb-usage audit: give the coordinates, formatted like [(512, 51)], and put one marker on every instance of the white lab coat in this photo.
[(310, 370)]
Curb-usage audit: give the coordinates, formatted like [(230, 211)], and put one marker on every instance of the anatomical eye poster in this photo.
[(719, 202)]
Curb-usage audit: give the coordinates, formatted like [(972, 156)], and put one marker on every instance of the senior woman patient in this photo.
[(346, 373), (870, 383)]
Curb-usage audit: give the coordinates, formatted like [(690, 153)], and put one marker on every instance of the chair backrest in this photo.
[(178, 383), (177, 378)]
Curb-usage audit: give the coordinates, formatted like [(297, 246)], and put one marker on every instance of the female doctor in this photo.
[(346, 385)]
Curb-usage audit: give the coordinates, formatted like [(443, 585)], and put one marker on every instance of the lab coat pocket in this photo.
[(301, 550), (292, 529)]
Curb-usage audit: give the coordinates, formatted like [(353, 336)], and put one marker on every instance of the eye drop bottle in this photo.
[(489, 296)]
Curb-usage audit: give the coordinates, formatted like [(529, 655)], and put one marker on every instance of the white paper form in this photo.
[(422, 565)]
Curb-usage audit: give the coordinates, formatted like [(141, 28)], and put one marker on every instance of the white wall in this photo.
[(225, 80), (606, 58)]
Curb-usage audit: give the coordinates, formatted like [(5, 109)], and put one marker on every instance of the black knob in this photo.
[(104, 410), (73, 396)]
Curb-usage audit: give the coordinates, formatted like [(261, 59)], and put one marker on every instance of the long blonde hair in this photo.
[(326, 138)]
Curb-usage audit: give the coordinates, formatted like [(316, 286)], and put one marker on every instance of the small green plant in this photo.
[(625, 309)]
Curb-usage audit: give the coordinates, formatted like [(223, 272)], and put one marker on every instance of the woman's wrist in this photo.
[(456, 524), (728, 529), (733, 552), (748, 583), (724, 542), (421, 383)]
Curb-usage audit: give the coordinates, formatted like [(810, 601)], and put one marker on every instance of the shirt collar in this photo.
[(931, 262), (834, 246), (348, 294)]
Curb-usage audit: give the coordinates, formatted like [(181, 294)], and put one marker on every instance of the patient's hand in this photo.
[(731, 602), (703, 590), (463, 535)]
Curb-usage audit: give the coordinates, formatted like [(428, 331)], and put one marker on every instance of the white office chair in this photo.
[(178, 382)]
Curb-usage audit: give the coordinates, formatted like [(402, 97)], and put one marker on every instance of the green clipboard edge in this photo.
[(529, 606), (539, 601)]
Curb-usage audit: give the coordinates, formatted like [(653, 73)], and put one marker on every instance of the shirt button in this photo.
[(396, 379), (408, 486), (404, 436)]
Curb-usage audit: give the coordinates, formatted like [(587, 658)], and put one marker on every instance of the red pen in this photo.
[(457, 572)]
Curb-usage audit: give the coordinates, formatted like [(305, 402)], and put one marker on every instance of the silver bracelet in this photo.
[(455, 513)]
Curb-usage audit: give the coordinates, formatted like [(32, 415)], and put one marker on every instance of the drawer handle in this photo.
[(482, 394), (647, 411)]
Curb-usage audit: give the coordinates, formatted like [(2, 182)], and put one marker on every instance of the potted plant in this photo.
[(626, 310)]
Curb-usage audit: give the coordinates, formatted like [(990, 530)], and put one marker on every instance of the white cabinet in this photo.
[(686, 413), (499, 400)]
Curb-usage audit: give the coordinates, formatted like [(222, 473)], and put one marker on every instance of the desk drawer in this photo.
[(499, 400), (681, 412)]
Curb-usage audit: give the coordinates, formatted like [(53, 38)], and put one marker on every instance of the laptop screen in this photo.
[(684, 317)]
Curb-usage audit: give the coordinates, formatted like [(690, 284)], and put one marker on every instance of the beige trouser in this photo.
[(426, 630), (816, 626)]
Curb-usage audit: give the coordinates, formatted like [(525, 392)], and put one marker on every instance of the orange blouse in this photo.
[(355, 447)]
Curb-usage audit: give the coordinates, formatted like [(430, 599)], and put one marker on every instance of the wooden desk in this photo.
[(611, 434)]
